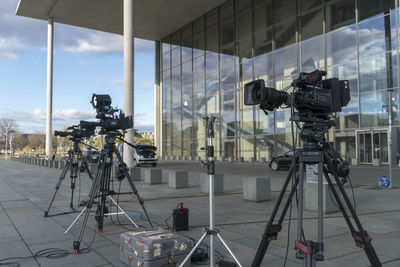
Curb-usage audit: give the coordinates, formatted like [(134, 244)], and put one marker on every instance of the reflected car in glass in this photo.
[(282, 162)]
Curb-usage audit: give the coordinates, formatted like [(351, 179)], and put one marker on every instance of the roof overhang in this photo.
[(153, 19)]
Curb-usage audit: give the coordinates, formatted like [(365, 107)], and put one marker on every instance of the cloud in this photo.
[(148, 85), (19, 33), (35, 121)]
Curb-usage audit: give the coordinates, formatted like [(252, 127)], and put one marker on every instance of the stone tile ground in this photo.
[(26, 190)]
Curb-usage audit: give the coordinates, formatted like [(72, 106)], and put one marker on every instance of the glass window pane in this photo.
[(176, 40), (306, 5), (227, 29), (372, 108), (247, 147), (166, 61), (166, 45), (312, 54), (378, 72), (346, 71), (285, 62), (341, 45), (285, 33), (212, 31), (265, 146), (187, 107), (381, 31), (198, 38), (187, 43), (370, 8), (284, 9), (311, 24), (262, 26), (263, 68), (244, 28), (176, 56), (339, 13), (345, 144)]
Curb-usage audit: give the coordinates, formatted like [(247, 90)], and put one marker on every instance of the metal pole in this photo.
[(211, 188), (129, 75), (49, 97), (390, 109)]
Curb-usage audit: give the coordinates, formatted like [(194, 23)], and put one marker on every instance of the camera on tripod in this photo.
[(77, 131), (313, 97), (110, 119)]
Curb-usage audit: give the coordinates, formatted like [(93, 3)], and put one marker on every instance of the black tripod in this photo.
[(101, 188), (316, 150), (72, 164)]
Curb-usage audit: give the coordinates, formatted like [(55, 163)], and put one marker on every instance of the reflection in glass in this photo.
[(376, 73), (339, 13), (244, 28), (381, 31), (263, 68), (176, 56), (312, 54), (262, 26), (166, 61), (306, 5), (212, 31), (346, 71), (227, 35), (372, 109), (370, 8), (311, 24), (285, 62), (345, 144), (198, 38), (285, 33), (166, 45), (187, 106), (341, 45), (265, 146)]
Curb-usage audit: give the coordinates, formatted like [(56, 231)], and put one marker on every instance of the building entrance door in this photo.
[(372, 144)]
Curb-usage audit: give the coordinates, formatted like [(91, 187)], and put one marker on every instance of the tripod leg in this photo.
[(271, 230), (74, 174), (193, 249), (133, 187), (229, 250), (85, 164), (93, 192), (62, 176), (361, 236)]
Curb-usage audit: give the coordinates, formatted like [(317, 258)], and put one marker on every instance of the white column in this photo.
[(157, 99), (128, 76), (49, 102)]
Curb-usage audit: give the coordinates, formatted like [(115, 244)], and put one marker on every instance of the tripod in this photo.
[(72, 164), (316, 150), (210, 163), (101, 189)]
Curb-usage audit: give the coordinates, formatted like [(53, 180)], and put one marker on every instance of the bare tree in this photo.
[(21, 141), (8, 129), (36, 141)]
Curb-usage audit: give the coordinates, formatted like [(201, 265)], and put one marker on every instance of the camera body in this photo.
[(313, 95), (77, 131), (110, 119)]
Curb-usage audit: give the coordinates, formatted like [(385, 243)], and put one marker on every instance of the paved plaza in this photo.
[(26, 190)]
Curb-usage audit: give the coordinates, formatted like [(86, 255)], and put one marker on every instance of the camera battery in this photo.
[(180, 219), (154, 248)]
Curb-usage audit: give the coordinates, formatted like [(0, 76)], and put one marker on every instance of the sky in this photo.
[(85, 62)]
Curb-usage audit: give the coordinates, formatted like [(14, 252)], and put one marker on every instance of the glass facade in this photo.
[(206, 64)]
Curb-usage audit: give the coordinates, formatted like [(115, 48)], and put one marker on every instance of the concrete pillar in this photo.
[(49, 99), (129, 51)]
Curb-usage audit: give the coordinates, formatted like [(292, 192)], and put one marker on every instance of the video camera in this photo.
[(314, 97), (110, 119), (77, 131)]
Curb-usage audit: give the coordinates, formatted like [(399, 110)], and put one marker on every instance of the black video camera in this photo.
[(110, 119), (314, 97), (77, 131)]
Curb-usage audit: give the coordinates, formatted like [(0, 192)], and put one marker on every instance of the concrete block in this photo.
[(230, 159), (257, 188), (241, 159), (311, 198), (136, 173), (218, 183), (263, 160), (56, 163), (51, 163), (178, 179), (152, 176), (355, 162), (252, 159), (376, 162), (62, 164)]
